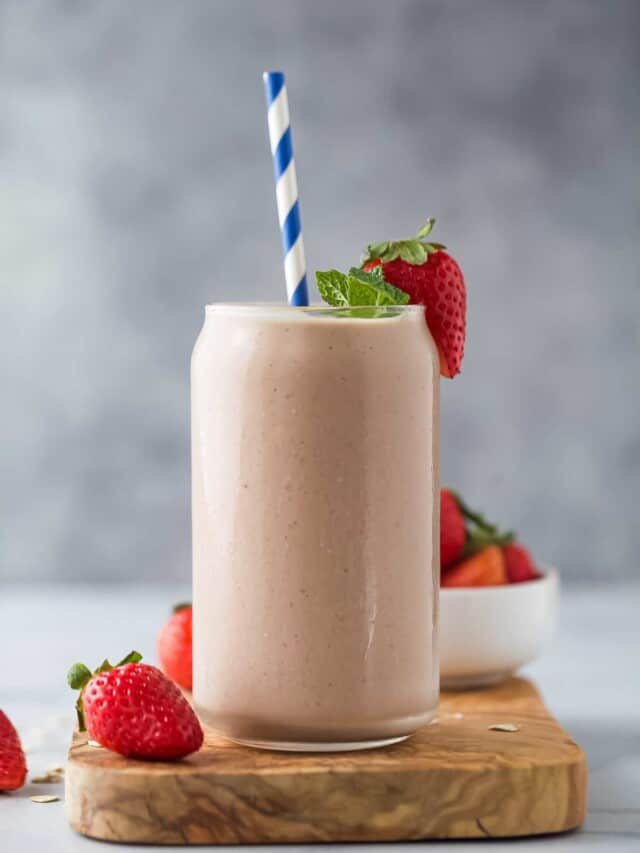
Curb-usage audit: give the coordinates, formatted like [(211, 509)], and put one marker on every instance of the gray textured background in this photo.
[(136, 185)]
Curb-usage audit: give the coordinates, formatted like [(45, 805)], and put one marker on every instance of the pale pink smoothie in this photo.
[(315, 525)]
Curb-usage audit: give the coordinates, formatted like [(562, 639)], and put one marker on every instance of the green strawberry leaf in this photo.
[(426, 228), (478, 539), (473, 516), (132, 657), (414, 251), (480, 533), (411, 251), (377, 249), (78, 676)]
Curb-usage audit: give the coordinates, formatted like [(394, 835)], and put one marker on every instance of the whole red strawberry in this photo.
[(452, 529), (13, 767), (173, 646), (519, 563), (135, 710), (432, 278)]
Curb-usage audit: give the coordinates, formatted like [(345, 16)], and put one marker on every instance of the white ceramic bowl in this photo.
[(487, 633)]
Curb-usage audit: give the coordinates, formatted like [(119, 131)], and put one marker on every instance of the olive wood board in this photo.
[(455, 778)]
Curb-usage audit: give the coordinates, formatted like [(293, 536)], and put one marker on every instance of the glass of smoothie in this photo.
[(315, 525)]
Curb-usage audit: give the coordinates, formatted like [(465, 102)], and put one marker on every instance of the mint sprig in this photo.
[(358, 288)]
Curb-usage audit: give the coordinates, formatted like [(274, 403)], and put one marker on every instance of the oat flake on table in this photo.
[(47, 779)]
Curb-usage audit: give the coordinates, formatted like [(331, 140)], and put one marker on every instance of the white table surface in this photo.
[(590, 679)]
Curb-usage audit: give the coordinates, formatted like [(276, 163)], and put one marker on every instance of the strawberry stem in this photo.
[(478, 540), (426, 228), (472, 515), (480, 533)]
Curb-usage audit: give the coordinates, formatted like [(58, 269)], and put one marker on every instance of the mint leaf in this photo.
[(372, 275), (358, 288), (370, 288), (333, 287), (361, 293)]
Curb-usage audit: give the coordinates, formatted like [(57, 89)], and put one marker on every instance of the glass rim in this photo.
[(283, 307)]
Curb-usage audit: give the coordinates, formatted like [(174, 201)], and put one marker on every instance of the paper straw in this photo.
[(284, 168)]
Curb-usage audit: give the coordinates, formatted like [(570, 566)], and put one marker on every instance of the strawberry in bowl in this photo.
[(474, 552), (497, 607)]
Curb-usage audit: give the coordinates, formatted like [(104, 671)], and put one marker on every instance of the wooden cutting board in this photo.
[(455, 778)]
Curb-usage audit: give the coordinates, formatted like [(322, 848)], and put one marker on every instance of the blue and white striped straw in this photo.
[(284, 168)]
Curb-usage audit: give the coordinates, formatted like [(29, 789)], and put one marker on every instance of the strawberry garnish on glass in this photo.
[(431, 277)]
